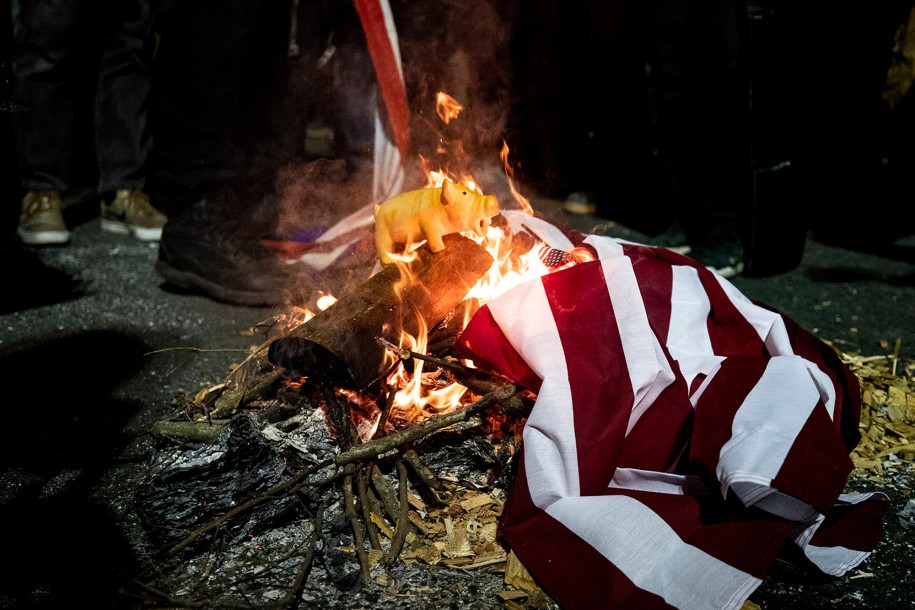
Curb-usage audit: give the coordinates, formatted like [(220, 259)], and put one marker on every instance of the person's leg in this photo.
[(198, 81), (44, 41), (43, 60), (722, 105), (698, 78), (666, 24), (231, 105), (126, 42), (227, 119)]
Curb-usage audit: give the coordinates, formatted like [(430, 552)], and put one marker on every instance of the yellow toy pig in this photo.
[(430, 213)]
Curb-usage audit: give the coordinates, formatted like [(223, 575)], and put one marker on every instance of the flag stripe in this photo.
[(593, 375), (378, 25)]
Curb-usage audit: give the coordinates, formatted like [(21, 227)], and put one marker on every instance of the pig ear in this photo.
[(449, 191)]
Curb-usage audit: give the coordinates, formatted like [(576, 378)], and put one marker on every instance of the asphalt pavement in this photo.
[(93, 349)]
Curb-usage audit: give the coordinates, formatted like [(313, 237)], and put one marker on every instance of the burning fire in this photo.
[(419, 393)]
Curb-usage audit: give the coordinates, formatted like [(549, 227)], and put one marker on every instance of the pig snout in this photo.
[(490, 209)]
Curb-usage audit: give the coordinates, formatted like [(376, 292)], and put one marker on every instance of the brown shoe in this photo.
[(131, 213), (41, 222)]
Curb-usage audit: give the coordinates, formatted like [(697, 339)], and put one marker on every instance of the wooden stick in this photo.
[(386, 493), (366, 504), (276, 491), (403, 522), (379, 446), (422, 471), (305, 568), (259, 387), (381, 429), (349, 508), (478, 380), (357, 453)]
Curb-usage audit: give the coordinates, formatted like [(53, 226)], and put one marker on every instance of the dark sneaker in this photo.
[(131, 213), (724, 257), (41, 221), (221, 263)]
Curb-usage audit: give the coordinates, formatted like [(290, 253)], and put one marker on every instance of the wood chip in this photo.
[(456, 542), (489, 559), (428, 529), (379, 522), (416, 502), (513, 594), (476, 501), (516, 575)]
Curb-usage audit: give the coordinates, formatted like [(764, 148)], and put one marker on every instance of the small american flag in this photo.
[(554, 257), (682, 439)]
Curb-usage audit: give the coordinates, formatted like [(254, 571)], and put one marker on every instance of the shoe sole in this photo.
[(576, 208), (121, 228), (727, 272), (44, 238), (679, 249), (188, 281)]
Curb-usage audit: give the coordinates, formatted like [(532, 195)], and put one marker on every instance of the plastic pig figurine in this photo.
[(430, 213)]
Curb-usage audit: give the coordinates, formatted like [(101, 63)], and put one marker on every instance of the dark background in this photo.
[(576, 119)]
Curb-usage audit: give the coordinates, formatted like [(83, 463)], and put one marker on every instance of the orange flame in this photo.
[(447, 107), (510, 176)]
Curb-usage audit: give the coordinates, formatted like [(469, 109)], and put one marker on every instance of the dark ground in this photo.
[(93, 349)]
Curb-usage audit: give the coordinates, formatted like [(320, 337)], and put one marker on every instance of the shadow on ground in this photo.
[(58, 439)]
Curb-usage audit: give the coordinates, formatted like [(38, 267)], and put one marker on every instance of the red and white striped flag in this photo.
[(683, 436)]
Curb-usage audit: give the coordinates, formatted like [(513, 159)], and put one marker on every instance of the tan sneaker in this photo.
[(41, 222), (131, 213)]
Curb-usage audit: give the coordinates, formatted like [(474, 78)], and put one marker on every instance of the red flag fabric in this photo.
[(682, 438)]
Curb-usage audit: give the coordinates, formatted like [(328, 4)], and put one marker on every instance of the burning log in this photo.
[(339, 345)]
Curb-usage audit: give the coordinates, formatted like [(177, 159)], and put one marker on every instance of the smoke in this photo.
[(460, 48), (463, 50), (315, 194)]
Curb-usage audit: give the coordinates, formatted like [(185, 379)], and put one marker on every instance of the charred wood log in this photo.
[(339, 345)]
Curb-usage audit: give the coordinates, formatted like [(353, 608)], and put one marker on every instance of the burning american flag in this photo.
[(683, 436)]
